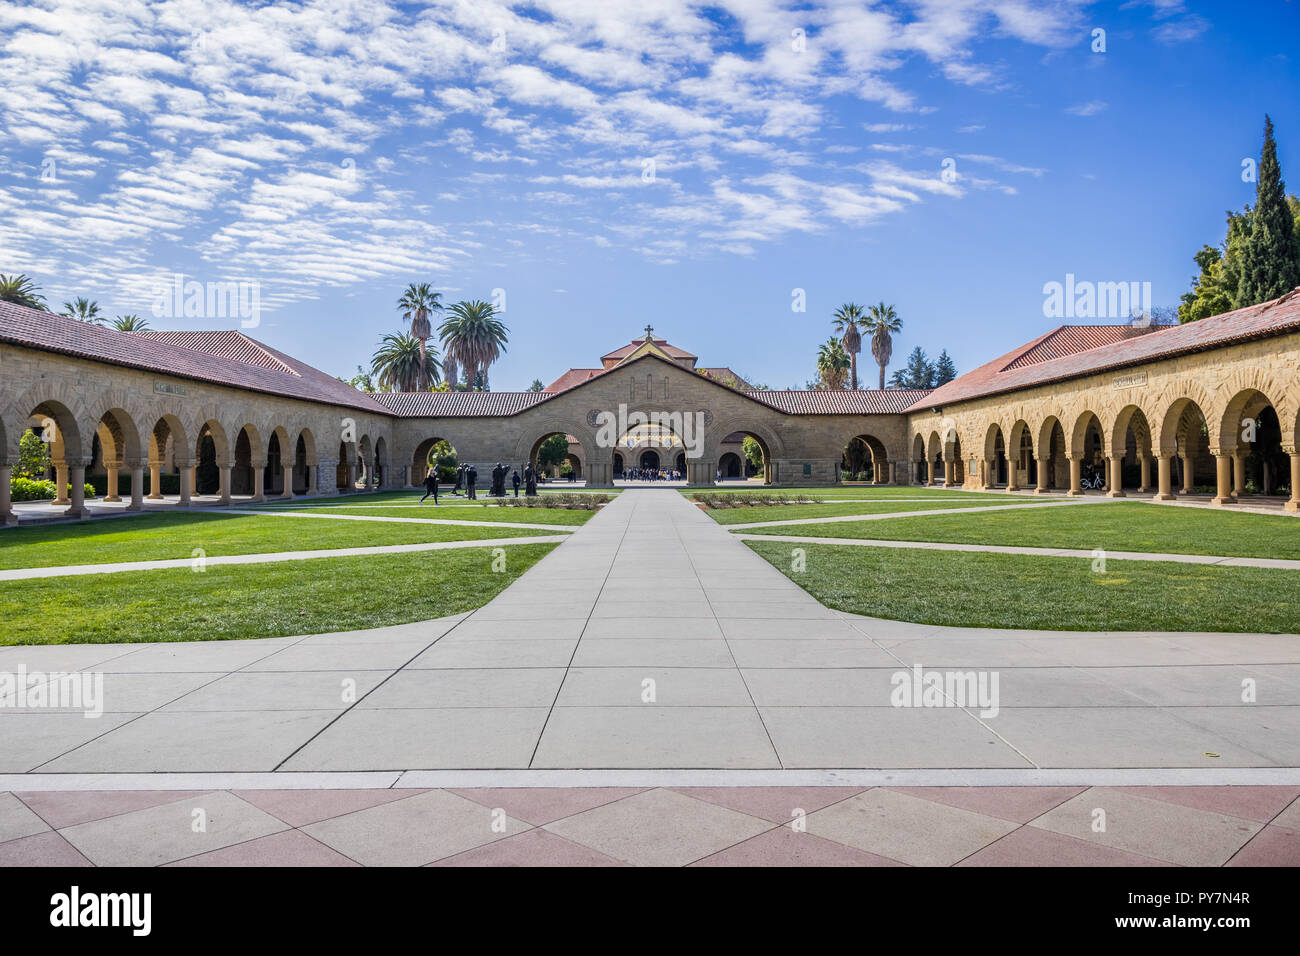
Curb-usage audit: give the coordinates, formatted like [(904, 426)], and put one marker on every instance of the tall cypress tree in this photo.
[(1270, 262)]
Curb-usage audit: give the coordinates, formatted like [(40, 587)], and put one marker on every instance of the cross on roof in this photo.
[(649, 331)]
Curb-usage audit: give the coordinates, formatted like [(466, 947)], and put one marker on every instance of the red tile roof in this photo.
[(32, 328), (228, 343), (838, 401), (1005, 374), (458, 404), (1071, 339), (574, 376), (625, 351)]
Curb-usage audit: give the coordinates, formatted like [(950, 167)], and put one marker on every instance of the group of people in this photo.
[(467, 477), (651, 474)]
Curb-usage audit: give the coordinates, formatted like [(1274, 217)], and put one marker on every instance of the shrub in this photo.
[(37, 489)]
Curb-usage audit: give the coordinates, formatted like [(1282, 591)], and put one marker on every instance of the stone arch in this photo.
[(1173, 401), (279, 456), (1246, 401), (306, 466), (383, 476), (61, 407), (751, 426), (1084, 422), (863, 445)]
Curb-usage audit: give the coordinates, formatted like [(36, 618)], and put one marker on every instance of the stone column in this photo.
[(110, 468), (1292, 505), (186, 484), (194, 479), (155, 480), (7, 515), (60, 483), (1013, 478), (1223, 468), (259, 482), (1164, 464), (77, 479), (1189, 475), (1144, 472), (223, 477), (1239, 475), (1043, 465), (929, 472), (1116, 489), (137, 488), (286, 477), (1076, 477)]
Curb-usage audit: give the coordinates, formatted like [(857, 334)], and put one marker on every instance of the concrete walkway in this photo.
[(1284, 563), (463, 523), (653, 641), (880, 516)]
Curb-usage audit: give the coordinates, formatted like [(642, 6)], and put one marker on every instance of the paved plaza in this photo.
[(652, 639)]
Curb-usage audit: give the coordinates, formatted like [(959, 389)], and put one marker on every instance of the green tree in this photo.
[(417, 303), (537, 385), (363, 381), (917, 373), (846, 320), (444, 453), (1214, 291), (130, 323), (882, 322), (553, 451), (83, 310), (832, 364), (753, 452), (400, 362), (1270, 260), (33, 456), (20, 290), (944, 370), (474, 337)]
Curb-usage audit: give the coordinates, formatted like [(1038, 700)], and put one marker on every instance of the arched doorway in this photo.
[(649, 460), (434, 450), (864, 459), (730, 466)]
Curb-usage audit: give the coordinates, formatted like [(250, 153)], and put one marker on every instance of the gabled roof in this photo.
[(35, 329), (1005, 373), (228, 343), (1071, 339), (671, 351)]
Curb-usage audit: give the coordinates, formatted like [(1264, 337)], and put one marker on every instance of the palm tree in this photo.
[(846, 320), (398, 362), (83, 310), (130, 323), (883, 322), (833, 363), (416, 303), (474, 337), (20, 290)]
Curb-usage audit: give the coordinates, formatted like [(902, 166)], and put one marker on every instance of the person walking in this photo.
[(431, 483), (460, 477)]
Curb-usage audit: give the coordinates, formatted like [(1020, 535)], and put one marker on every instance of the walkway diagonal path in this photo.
[(461, 522), (653, 642), (881, 516)]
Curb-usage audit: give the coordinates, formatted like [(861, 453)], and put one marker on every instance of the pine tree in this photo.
[(1270, 264), (944, 370), (917, 373)]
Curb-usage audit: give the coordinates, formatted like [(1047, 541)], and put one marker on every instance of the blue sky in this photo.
[(609, 163)]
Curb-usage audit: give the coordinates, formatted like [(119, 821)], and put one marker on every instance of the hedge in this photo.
[(29, 489)]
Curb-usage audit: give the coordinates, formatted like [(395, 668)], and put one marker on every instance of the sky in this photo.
[(594, 166)]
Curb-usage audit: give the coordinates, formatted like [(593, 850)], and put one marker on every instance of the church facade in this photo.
[(1208, 408)]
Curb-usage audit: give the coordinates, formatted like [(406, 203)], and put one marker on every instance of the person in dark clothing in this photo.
[(460, 478), (431, 484), (471, 479), (499, 481), (530, 482), (514, 480)]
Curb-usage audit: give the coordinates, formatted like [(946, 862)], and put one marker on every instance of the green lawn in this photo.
[(1121, 526), (455, 512), (836, 508), (264, 600), (845, 491), (153, 537), (1015, 591)]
